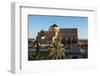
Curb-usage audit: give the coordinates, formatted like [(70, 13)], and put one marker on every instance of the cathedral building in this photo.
[(55, 32)]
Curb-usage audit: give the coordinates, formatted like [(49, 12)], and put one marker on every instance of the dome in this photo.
[(54, 25)]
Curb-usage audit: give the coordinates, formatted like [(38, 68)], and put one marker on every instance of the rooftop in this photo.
[(54, 25)]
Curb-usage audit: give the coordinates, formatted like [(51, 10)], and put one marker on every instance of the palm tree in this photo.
[(56, 51), (37, 49), (42, 32)]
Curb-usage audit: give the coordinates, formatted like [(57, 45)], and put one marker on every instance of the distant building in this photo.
[(54, 32)]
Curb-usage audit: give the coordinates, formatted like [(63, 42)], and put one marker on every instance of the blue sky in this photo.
[(37, 23)]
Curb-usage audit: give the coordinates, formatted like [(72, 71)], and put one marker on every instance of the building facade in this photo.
[(54, 32)]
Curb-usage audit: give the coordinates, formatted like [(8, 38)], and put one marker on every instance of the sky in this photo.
[(39, 22)]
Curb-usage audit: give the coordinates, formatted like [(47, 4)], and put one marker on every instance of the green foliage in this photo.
[(56, 51)]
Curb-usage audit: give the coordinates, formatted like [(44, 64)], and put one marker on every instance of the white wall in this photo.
[(5, 32)]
